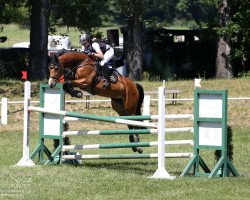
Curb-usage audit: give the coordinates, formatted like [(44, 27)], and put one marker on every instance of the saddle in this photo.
[(109, 69), (100, 70)]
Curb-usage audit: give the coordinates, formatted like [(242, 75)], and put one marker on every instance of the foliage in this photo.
[(12, 63), (88, 16), (13, 11), (244, 75), (85, 15), (237, 28)]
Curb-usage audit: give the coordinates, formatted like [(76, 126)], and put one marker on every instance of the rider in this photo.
[(99, 50)]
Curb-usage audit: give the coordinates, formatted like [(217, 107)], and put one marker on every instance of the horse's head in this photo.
[(55, 71)]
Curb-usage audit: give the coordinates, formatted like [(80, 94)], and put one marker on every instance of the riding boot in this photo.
[(106, 74)]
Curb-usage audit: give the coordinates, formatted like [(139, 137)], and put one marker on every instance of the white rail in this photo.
[(4, 104)]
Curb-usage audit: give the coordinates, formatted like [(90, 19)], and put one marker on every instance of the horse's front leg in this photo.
[(81, 83), (68, 87)]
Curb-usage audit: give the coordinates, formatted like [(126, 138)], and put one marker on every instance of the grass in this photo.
[(11, 31), (122, 179)]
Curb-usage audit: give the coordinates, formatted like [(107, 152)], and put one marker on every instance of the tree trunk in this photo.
[(38, 40), (134, 46), (244, 63), (223, 63)]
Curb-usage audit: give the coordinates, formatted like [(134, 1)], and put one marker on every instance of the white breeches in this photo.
[(107, 56)]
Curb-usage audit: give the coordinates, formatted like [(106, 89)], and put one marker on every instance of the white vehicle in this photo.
[(58, 42), (55, 43), (22, 45)]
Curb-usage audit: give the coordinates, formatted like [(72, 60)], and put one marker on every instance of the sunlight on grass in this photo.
[(23, 35), (122, 179)]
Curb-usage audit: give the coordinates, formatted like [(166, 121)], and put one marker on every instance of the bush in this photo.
[(245, 75), (12, 62)]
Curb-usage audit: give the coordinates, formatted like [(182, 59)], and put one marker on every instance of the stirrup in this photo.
[(106, 84)]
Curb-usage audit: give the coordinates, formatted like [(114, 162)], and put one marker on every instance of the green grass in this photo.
[(122, 179), (17, 34)]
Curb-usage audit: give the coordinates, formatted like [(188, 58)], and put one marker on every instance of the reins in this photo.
[(82, 64), (71, 70)]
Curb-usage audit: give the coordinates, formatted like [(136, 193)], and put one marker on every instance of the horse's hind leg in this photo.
[(135, 138), (66, 141), (135, 103), (118, 106)]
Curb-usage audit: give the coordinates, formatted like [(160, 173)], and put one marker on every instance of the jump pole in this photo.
[(93, 117), (25, 160), (161, 172)]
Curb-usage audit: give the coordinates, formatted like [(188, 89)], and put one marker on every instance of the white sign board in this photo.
[(210, 134), (52, 102), (210, 106)]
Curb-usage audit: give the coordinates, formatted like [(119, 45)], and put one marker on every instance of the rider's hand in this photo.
[(87, 52)]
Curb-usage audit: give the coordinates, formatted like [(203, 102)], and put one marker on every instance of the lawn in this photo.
[(123, 179), (23, 35)]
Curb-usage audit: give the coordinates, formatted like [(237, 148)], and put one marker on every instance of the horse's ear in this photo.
[(56, 58)]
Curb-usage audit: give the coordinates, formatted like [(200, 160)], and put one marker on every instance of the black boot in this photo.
[(106, 74)]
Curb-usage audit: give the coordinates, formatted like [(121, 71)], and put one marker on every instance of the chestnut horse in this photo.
[(82, 72)]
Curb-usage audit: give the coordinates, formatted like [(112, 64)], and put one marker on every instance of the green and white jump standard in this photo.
[(51, 115), (210, 133)]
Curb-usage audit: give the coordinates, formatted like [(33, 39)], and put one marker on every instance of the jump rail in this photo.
[(161, 172), (210, 132)]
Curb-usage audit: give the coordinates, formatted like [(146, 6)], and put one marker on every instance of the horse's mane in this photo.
[(88, 61), (62, 51), (69, 56)]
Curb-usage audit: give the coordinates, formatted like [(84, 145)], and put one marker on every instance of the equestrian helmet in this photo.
[(84, 38)]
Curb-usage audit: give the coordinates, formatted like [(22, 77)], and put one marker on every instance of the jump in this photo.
[(81, 70)]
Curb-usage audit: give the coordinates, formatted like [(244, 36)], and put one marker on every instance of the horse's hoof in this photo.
[(134, 138), (134, 149), (139, 150), (77, 94)]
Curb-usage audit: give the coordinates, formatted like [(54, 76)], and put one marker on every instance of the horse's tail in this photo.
[(141, 98)]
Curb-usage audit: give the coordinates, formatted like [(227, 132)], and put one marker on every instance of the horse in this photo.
[(82, 72)]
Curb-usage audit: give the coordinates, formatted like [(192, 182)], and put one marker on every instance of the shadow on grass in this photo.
[(139, 167)]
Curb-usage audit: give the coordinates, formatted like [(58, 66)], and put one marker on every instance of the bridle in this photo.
[(61, 69)]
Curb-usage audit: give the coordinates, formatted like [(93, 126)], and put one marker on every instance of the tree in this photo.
[(223, 61), (15, 11), (82, 15), (133, 10), (38, 39), (240, 32), (86, 16), (11, 11), (234, 36), (153, 14)]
